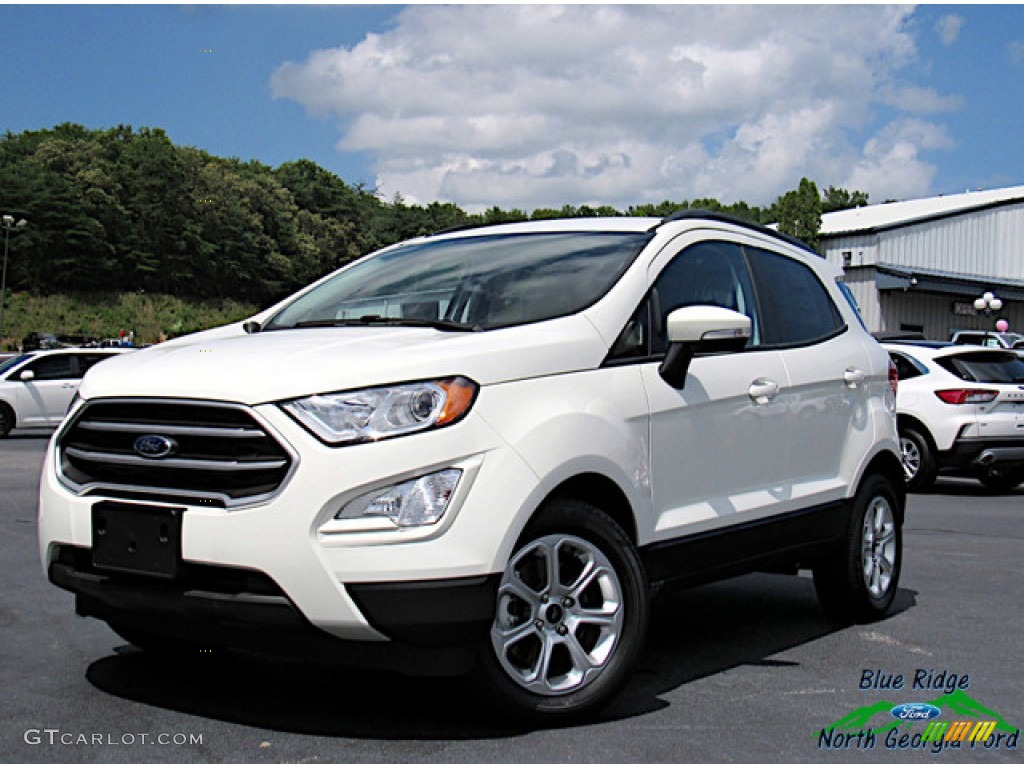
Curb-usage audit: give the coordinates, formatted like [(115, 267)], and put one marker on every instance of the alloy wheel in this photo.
[(911, 458), (560, 615), (878, 547)]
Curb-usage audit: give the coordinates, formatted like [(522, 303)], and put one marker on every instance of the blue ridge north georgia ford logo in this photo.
[(154, 446)]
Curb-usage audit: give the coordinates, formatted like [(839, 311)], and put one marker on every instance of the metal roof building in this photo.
[(918, 265)]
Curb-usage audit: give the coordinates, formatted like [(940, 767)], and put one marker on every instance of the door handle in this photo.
[(762, 391), (853, 377)]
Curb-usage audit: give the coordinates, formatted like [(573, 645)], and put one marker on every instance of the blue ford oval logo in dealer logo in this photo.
[(915, 712), (154, 446)]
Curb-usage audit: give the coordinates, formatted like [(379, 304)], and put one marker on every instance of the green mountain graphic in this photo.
[(955, 706)]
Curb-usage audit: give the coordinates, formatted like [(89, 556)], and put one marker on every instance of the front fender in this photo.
[(588, 423)]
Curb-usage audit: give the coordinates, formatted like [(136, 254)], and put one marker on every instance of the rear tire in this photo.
[(858, 583), (918, 460), (7, 419), (570, 618)]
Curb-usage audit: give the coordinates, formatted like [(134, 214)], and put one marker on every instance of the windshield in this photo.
[(14, 361), (471, 283), (986, 367)]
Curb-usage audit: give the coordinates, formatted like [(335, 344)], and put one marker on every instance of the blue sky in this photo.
[(104, 65), (532, 106)]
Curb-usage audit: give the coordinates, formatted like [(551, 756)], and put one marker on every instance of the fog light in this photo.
[(421, 501)]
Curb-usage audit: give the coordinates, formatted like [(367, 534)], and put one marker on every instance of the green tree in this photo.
[(838, 199), (799, 212)]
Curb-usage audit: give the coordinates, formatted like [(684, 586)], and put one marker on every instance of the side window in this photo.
[(85, 362), (632, 342), (711, 273), (54, 367), (970, 338), (795, 307), (905, 367), (852, 301)]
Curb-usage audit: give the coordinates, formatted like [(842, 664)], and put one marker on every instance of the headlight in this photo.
[(342, 418)]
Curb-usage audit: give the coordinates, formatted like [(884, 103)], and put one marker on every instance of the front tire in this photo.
[(858, 583), (570, 618)]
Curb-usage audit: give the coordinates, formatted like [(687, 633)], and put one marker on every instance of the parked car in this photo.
[(39, 340), (961, 412), (77, 340), (484, 450), (36, 388), (995, 339)]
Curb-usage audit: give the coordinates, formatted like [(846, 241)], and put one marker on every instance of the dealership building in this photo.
[(920, 265)]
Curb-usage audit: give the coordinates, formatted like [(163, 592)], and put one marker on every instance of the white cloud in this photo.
[(948, 28), (890, 164), (911, 98), (536, 105)]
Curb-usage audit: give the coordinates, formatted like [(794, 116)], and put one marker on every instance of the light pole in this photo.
[(988, 303), (8, 225)]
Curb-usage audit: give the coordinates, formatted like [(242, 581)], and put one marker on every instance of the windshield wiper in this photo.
[(417, 322)]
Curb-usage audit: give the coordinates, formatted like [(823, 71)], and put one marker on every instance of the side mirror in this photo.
[(27, 375), (700, 330)]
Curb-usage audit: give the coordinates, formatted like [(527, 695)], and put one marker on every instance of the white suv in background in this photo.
[(484, 450), (996, 339), (36, 388), (961, 412)]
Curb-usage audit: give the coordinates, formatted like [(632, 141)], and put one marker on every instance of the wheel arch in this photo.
[(905, 420), (598, 490), (889, 466)]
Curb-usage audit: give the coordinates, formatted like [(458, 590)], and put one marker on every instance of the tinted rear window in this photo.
[(795, 307), (986, 367)]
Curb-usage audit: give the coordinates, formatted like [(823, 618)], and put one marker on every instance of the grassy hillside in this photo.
[(151, 316)]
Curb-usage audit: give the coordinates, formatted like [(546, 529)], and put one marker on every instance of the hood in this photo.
[(279, 365)]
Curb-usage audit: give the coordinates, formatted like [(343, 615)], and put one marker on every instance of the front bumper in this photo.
[(435, 625), (423, 586)]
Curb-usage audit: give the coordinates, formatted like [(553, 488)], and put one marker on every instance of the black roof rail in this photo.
[(908, 336), (458, 228), (475, 225), (699, 213)]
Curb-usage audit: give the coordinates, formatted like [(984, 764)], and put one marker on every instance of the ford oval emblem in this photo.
[(915, 712), (154, 446)]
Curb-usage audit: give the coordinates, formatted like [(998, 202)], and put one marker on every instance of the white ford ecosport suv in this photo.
[(484, 450)]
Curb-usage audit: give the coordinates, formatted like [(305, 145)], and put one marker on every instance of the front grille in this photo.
[(222, 455)]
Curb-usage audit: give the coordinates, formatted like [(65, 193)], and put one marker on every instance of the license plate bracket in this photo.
[(137, 539)]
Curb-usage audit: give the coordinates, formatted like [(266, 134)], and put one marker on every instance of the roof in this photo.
[(581, 224), (620, 224), (930, 350), (872, 218)]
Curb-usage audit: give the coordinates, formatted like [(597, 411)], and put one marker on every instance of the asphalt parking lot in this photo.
[(746, 670)]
